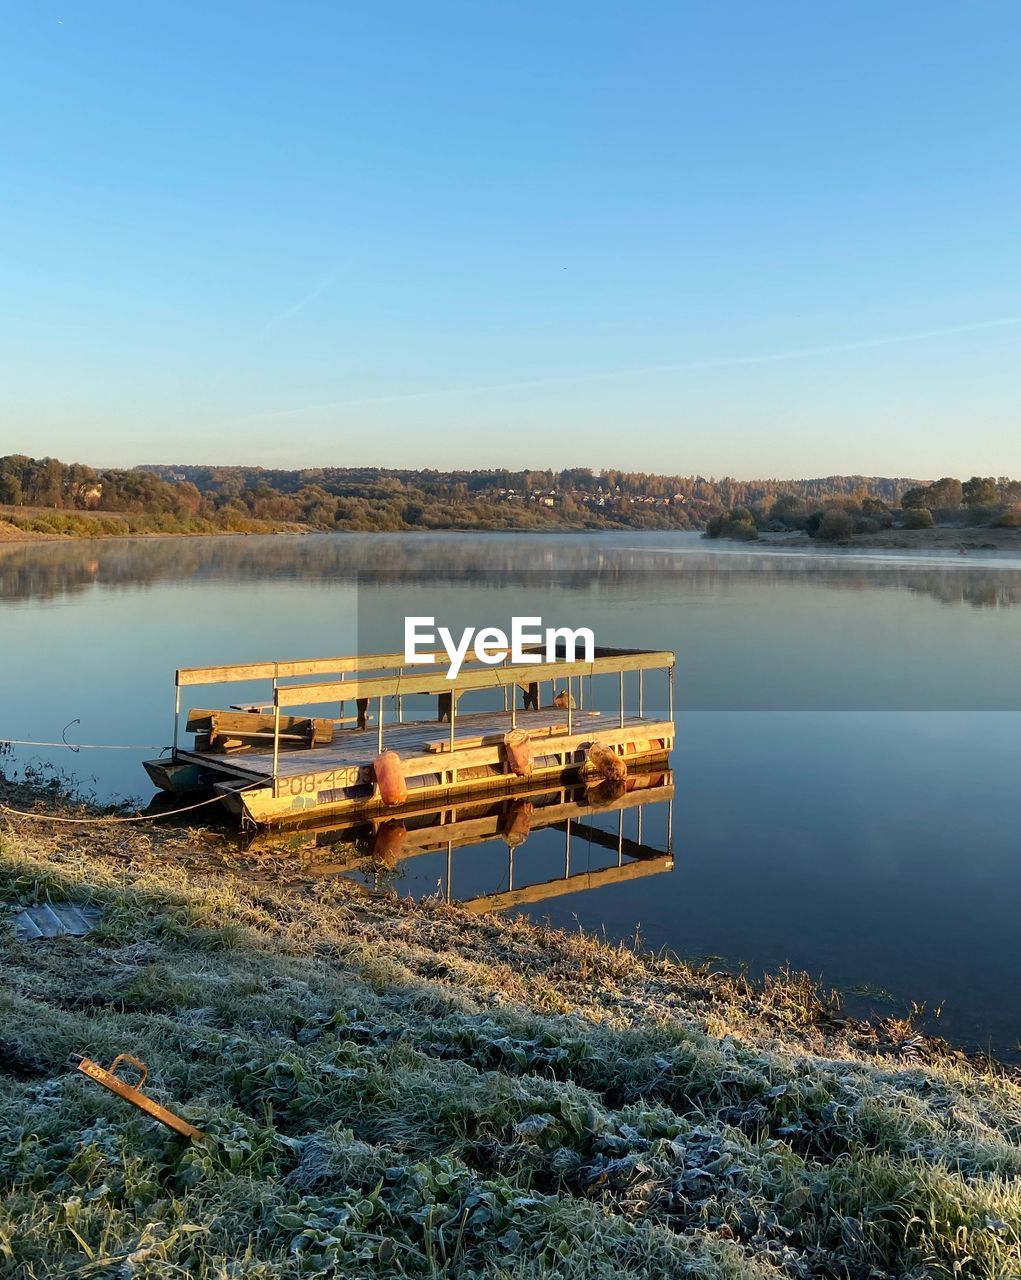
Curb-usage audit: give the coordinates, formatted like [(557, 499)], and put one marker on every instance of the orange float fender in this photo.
[(517, 747), (389, 775), (606, 762)]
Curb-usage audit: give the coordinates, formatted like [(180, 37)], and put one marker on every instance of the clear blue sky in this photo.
[(747, 238)]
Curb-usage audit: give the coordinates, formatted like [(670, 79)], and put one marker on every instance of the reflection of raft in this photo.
[(606, 763), (518, 822), (577, 810), (388, 842)]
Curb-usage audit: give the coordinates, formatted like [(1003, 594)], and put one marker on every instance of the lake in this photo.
[(848, 751)]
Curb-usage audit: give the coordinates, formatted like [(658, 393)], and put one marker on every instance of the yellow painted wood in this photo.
[(299, 695), (297, 797), (284, 670)]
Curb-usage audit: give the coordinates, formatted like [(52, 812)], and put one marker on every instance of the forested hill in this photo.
[(193, 498)]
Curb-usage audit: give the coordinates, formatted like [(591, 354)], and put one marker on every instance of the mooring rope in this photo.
[(85, 746), (112, 819), (82, 746)]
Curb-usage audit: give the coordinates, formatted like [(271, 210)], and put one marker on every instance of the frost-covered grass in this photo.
[(410, 1091)]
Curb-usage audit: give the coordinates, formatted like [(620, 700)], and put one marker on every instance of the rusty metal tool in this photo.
[(133, 1092)]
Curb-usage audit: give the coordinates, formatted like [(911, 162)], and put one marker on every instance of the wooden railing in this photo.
[(298, 667), (506, 676), (484, 677)]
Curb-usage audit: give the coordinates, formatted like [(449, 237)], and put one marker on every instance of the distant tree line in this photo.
[(981, 501), (65, 497)]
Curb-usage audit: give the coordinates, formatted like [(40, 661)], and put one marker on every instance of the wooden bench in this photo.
[(224, 732)]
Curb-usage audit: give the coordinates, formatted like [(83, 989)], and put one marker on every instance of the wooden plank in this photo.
[(500, 677), (439, 746), (294, 667), (133, 1093), (220, 731)]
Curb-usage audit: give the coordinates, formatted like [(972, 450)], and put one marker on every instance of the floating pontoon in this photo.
[(335, 747)]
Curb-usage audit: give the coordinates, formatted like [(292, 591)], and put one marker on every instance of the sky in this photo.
[(737, 238)]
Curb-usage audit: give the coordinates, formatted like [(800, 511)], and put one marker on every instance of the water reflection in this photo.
[(46, 571), (496, 853)]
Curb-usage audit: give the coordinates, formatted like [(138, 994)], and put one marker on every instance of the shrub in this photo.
[(835, 526), (1009, 519), (918, 518), (738, 524)]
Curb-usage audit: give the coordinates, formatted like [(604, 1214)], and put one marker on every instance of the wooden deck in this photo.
[(359, 747)]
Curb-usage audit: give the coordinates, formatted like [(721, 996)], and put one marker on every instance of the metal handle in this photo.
[(135, 1062)]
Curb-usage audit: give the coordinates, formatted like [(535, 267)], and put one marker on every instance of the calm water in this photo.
[(848, 731)]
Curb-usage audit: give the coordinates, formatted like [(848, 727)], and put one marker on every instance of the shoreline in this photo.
[(938, 538), (964, 540), (368, 1069), (217, 851)]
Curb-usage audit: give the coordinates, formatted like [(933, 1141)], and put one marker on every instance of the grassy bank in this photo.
[(35, 525), (411, 1091)]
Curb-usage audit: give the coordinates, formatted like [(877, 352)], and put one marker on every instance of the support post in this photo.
[(453, 717), (670, 715), (570, 703), (641, 693), (379, 728), (567, 848), (276, 739), (177, 714), (622, 699)]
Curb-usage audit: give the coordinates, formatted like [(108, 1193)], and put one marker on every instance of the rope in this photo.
[(78, 746), (108, 821), (85, 746)]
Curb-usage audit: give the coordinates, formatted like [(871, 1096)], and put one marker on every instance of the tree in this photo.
[(916, 497), (946, 492), (980, 491)]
